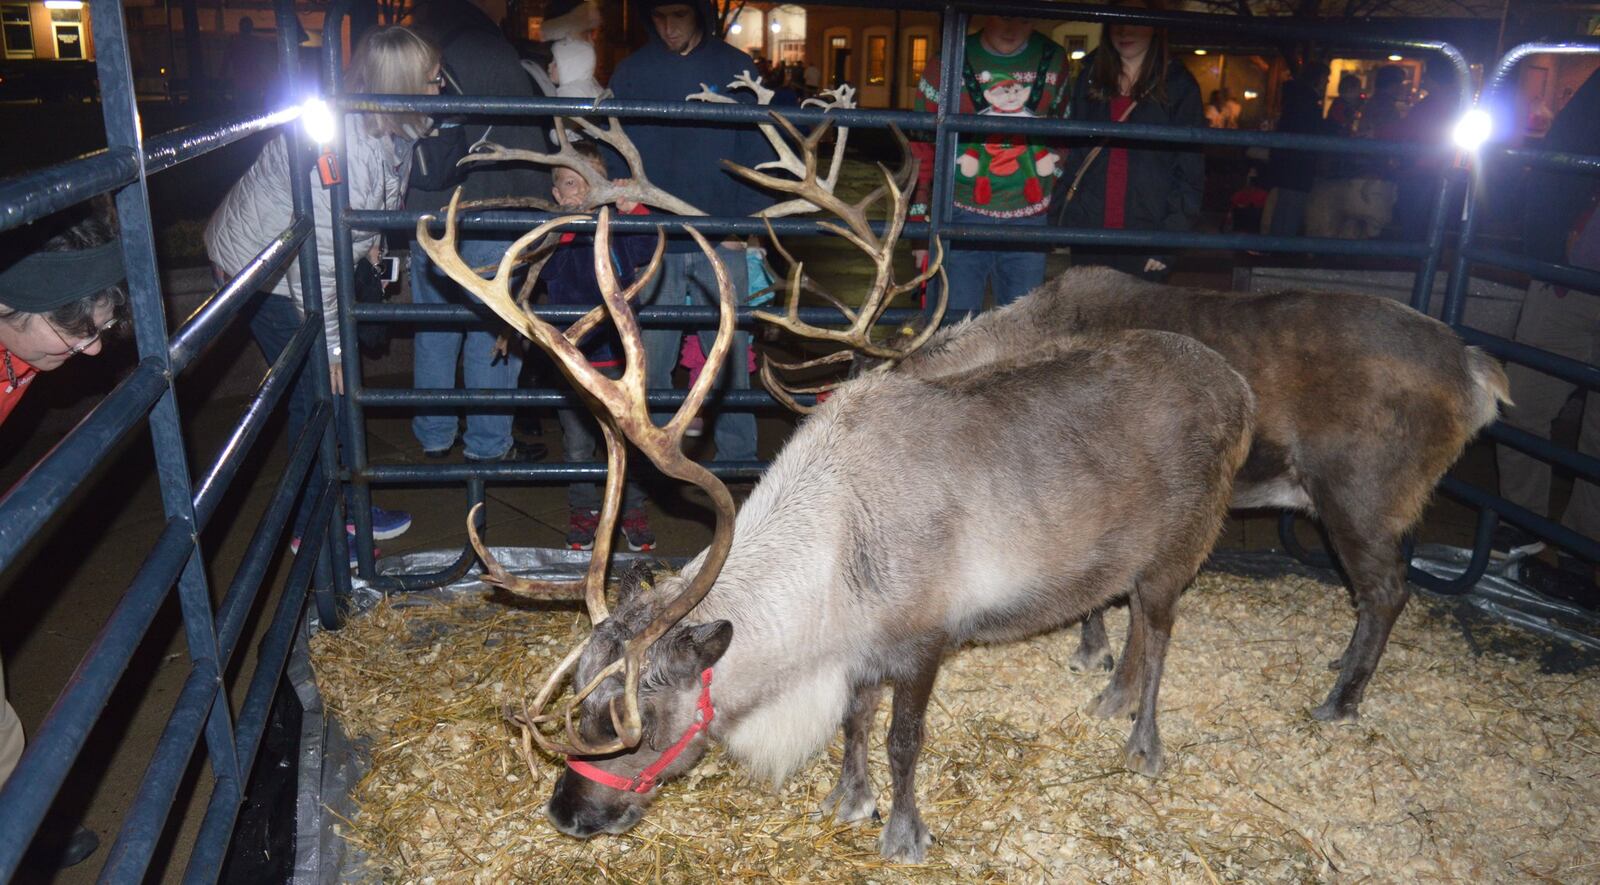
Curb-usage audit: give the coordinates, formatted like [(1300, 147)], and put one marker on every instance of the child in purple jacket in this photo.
[(569, 279)]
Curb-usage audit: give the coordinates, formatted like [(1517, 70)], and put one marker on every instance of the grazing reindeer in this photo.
[(1362, 405), (908, 515)]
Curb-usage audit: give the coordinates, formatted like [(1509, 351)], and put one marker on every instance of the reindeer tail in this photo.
[(1490, 387)]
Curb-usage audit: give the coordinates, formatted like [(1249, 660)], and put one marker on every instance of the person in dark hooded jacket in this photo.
[(477, 60), (684, 158), (1131, 78)]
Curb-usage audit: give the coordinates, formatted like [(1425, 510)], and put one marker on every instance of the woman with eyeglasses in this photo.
[(375, 165), (61, 292)]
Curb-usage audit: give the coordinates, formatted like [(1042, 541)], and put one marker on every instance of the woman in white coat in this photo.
[(376, 165)]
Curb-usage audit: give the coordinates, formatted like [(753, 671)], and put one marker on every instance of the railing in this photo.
[(147, 395), (945, 126)]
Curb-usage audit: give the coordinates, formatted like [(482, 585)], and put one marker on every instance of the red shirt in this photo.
[(15, 376), (1117, 172)]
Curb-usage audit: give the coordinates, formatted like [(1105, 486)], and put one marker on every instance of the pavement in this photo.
[(61, 590)]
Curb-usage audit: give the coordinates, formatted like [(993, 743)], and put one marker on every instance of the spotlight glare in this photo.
[(737, 27), (1250, 95), (1473, 129), (1078, 54), (318, 120), (1199, 52), (776, 26), (1395, 58)]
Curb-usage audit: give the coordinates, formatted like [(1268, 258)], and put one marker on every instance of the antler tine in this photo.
[(639, 188), (593, 318)]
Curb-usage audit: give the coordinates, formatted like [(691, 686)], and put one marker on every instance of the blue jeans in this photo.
[(1013, 271), (273, 322), (580, 437), (488, 434), (687, 278)]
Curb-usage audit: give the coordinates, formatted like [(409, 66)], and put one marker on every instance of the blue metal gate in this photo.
[(147, 396)]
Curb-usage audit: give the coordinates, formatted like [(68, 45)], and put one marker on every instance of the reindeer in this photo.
[(1362, 405), (910, 514)]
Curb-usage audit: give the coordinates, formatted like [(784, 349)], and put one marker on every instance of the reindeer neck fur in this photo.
[(782, 687)]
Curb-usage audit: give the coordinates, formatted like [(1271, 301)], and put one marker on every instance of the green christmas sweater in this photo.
[(1000, 175)]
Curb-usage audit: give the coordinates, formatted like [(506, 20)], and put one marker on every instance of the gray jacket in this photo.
[(258, 208)]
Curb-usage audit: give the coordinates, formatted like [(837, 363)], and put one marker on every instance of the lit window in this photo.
[(877, 60), (918, 56)]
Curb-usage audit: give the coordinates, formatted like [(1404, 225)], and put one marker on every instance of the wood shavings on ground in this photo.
[(1469, 763)]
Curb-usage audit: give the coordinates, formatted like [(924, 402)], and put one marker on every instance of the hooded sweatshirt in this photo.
[(685, 157)]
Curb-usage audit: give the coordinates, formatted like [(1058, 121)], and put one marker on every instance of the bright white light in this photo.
[(1394, 58), (737, 28), (1078, 54), (1250, 94), (1473, 129), (1199, 52), (316, 116), (63, 4), (776, 27)]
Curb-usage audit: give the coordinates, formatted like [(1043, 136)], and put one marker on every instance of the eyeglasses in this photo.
[(438, 80), (86, 343)]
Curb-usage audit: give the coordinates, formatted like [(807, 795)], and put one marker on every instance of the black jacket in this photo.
[(685, 157), (1555, 198), (1302, 115), (1165, 182), (483, 63)]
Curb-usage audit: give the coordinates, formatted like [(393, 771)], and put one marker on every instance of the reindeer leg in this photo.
[(1155, 601), (1121, 694), (1377, 575), (906, 838), (852, 799), (1094, 650)]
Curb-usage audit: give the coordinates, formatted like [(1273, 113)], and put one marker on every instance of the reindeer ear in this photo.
[(710, 642), (694, 649)]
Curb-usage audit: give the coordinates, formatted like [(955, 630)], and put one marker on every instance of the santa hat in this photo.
[(567, 18)]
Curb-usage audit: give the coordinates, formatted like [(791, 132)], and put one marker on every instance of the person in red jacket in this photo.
[(61, 291)]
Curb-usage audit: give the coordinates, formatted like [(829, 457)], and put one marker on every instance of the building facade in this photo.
[(51, 30)]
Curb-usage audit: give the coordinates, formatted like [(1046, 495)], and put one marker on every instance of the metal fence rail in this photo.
[(945, 125), (147, 396)]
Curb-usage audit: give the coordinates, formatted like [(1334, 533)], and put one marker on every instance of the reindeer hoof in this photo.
[(1144, 760), (849, 806), (1332, 712), (1110, 704), (1088, 663), (905, 839)]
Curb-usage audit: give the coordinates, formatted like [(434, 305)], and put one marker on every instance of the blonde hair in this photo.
[(395, 61)]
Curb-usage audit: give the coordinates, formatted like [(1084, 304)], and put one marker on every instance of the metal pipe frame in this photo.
[(148, 396), (1469, 253)]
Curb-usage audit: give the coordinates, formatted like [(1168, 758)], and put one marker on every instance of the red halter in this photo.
[(646, 780)]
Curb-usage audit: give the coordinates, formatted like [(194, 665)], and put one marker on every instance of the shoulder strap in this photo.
[(1094, 154), (974, 89)]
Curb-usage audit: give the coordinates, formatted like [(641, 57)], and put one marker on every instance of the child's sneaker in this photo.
[(581, 526), (636, 530), (388, 524)]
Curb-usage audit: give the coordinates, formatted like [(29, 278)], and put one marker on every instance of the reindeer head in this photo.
[(609, 793)]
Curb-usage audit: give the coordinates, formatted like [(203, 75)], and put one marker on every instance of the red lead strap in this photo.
[(646, 780)]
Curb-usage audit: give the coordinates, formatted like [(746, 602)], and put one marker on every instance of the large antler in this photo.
[(625, 413), (843, 96), (602, 190), (854, 226)]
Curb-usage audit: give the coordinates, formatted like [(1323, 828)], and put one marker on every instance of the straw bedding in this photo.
[(1470, 762)]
